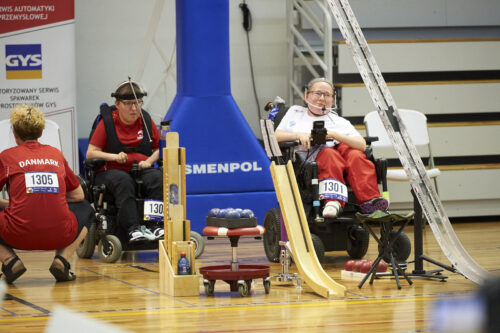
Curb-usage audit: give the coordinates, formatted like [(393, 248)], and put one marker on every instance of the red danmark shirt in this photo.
[(129, 135), (38, 217)]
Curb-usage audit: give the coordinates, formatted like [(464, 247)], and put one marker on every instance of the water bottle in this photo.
[(183, 265)]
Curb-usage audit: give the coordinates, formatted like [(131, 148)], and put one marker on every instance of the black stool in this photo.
[(386, 242)]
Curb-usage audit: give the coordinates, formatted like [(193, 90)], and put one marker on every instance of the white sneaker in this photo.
[(137, 235), (147, 233), (332, 209), (158, 232)]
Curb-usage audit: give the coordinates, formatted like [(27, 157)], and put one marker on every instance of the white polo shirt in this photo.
[(297, 120)]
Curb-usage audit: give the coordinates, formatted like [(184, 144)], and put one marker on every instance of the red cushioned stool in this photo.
[(239, 277)]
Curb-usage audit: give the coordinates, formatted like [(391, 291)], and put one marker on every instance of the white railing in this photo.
[(300, 51)]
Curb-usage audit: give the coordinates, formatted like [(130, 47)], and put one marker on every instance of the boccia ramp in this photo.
[(299, 236)]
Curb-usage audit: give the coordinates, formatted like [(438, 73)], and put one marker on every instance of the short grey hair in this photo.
[(319, 79)]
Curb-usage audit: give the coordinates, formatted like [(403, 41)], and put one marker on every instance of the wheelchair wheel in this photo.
[(319, 247), (272, 236), (199, 243), (358, 240), (87, 246), (114, 252), (401, 247)]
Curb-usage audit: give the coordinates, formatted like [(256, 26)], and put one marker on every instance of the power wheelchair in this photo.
[(345, 232), (111, 239)]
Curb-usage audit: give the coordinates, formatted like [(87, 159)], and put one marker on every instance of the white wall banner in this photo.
[(37, 54)]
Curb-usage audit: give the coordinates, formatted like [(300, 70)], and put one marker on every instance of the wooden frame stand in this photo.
[(177, 228)]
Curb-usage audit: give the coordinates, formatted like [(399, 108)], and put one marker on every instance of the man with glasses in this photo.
[(126, 135), (345, 153)]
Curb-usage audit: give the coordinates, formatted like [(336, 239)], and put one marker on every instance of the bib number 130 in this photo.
[(41, 182), (153, 210)]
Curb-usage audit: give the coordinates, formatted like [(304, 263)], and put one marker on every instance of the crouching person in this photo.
[(46, 209)]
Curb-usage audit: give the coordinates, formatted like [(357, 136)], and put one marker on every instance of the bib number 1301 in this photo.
[(332, 189), (153, 210), (41, 182)]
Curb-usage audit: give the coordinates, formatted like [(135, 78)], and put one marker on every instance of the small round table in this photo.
[(239, 277)]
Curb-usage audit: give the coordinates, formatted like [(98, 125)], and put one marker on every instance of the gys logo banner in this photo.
[(23, 61)]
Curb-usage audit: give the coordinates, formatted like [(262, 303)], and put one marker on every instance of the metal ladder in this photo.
[(301, 52), (408, 155)]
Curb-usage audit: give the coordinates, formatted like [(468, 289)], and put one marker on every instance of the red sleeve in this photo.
[(156, 135), (71, 180), (3, 175), (99, 138)]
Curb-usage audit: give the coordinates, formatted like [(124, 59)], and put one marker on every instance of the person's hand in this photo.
[(304, 139), (144, 164), (121, 157)]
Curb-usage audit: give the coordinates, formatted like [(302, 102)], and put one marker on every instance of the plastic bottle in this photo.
[(183, 265)]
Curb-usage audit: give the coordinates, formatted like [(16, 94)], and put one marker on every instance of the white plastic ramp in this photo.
[(299, 236), (408, 155)]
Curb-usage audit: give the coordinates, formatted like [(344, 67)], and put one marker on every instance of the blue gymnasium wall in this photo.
[(226, 166)]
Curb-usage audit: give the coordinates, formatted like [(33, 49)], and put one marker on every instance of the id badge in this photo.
[(41, 182), (332, 189), (153, 210)]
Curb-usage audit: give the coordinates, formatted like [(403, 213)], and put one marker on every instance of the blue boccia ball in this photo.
[(213, 212), (239, 210), (232, 214), (222, 213), (247, 213)]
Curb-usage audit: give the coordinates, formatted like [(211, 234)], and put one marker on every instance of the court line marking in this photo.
[(150, 312)]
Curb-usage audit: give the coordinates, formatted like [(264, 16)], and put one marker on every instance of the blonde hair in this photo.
[(28, 121)]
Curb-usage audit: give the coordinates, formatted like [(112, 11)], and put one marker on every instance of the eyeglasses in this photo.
[(319, 94), (129, 104)]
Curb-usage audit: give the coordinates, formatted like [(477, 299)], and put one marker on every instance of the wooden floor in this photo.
[(127, 293)]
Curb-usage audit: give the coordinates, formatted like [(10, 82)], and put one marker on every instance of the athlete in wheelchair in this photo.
[(328, 153), (121, 180)]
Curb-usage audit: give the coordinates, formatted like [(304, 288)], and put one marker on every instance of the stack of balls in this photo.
[(231, 213), (364, 265)]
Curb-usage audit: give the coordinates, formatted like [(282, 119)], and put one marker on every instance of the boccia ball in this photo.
[(382, 267), (247, 213), (222, 213), (232, 214), (349, 264), (357, 266), (239, 210), (365, 267), (213, 212)]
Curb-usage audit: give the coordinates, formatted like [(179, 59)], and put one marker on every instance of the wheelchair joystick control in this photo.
[(318, 133), (315, 189), (135, 171)]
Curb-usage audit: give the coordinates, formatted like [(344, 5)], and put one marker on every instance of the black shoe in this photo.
[(12, 273)]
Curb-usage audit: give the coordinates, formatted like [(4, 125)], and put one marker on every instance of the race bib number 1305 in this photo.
[(41, 182)]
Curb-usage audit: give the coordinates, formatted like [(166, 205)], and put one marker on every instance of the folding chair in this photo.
[(50, 136), (416, 125)]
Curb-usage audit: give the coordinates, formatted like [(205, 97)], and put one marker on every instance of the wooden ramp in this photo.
[(299, 236)]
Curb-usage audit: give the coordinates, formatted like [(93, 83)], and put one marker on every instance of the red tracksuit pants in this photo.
[(361, 174)]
